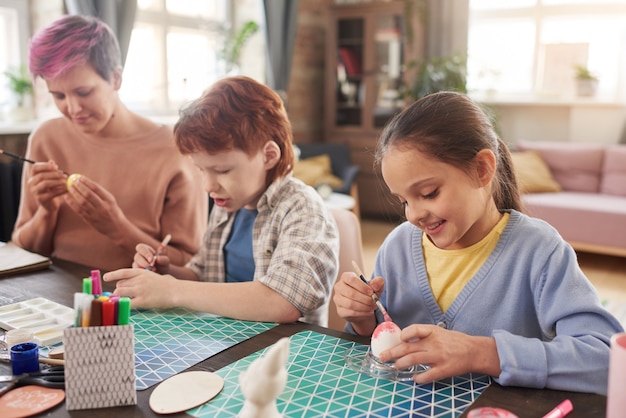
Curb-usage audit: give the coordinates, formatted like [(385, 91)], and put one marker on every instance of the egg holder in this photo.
[(46, 319), (360, 359)]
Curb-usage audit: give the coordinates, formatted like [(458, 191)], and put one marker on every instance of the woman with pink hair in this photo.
[(133, 186)]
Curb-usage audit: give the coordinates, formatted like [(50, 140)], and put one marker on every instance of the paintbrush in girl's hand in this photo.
[(375, 298), (19, 157)]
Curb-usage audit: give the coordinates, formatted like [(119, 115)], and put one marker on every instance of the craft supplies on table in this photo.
[(99, 350), (44, 318), (319, 384)]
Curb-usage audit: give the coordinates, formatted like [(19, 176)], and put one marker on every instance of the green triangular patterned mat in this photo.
[(319, 384)]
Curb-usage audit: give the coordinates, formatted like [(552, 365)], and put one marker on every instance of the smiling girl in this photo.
[(476, 285)]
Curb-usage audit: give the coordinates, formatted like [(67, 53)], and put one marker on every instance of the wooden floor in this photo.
[(607, 273)]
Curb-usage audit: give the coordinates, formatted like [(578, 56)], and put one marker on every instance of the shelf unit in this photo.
[(367, 53)]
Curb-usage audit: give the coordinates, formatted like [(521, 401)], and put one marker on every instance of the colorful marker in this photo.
[(108, 312), (87, 286), (123, 313), (97, 284)]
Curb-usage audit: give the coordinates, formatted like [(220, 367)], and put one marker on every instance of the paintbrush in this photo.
[(19, 157), (375, 298), (159, 250)]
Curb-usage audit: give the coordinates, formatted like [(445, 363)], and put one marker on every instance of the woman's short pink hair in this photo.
[(71, 41)]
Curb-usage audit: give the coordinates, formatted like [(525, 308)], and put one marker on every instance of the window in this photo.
[(174, 53), (13, 41), (530, 47)]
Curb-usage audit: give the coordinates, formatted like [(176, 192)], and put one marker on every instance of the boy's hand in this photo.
[(145, 255)]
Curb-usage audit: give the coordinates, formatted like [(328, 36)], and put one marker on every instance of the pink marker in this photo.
[(96, 283), (561, 410)]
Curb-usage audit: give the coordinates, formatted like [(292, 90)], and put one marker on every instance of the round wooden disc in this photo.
[(185, 391), (26, 401), (57, 352)]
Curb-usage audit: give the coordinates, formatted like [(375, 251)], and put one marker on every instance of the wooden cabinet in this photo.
[(367, 51)]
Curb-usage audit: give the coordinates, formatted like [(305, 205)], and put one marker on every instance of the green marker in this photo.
[(123, 311), (87, 286)]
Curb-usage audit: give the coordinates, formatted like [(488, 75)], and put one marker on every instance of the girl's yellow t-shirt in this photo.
[(449, 270)]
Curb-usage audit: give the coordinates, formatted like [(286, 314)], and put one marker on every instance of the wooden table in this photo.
[(63, 279)]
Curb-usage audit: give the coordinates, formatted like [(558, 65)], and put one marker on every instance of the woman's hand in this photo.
[(96, 206), (353, 300), (144, 256), (146, 289), (47, 183), (448, 353)]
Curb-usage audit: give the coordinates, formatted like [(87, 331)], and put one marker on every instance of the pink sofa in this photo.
[(590, 210)]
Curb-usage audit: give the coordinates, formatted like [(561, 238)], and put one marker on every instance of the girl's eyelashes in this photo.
[(432, 194)]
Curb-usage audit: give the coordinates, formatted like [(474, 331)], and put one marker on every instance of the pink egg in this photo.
[(385, 336)]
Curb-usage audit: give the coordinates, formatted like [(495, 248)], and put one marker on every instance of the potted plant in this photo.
[(231, 51), (586, 81), (436, 74), (20, 83)]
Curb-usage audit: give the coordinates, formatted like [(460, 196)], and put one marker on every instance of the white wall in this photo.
[(576, 121)]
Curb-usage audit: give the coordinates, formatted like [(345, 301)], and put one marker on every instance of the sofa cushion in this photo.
[(315, 171), (532, 173), (589, 218), (614, 172), (575, 166)]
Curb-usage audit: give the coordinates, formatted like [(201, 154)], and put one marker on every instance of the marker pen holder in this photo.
[(99, 367)]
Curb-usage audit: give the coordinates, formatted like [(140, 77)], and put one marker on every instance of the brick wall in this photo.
[(306, 85)]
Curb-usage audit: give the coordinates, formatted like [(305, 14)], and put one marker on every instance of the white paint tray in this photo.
[(46, 319)]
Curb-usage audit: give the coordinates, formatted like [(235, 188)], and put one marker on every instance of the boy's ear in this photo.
[(485, 166), (271, 154)]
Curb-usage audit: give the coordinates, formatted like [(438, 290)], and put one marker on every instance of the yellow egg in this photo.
[(72, 178)]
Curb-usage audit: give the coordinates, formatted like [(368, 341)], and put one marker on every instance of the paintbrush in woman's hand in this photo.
[(19, 157)]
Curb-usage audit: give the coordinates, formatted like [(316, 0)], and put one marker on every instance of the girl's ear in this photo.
[(485, 166), (271, 154)]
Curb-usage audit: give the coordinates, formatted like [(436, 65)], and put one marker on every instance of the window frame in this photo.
[(161, 20), (18, 54), (544, 10)]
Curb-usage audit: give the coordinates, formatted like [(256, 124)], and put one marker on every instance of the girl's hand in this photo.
[(47, 183), (144, 256), (448, 353), (96, 206), (353, 300), (146, 289)]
